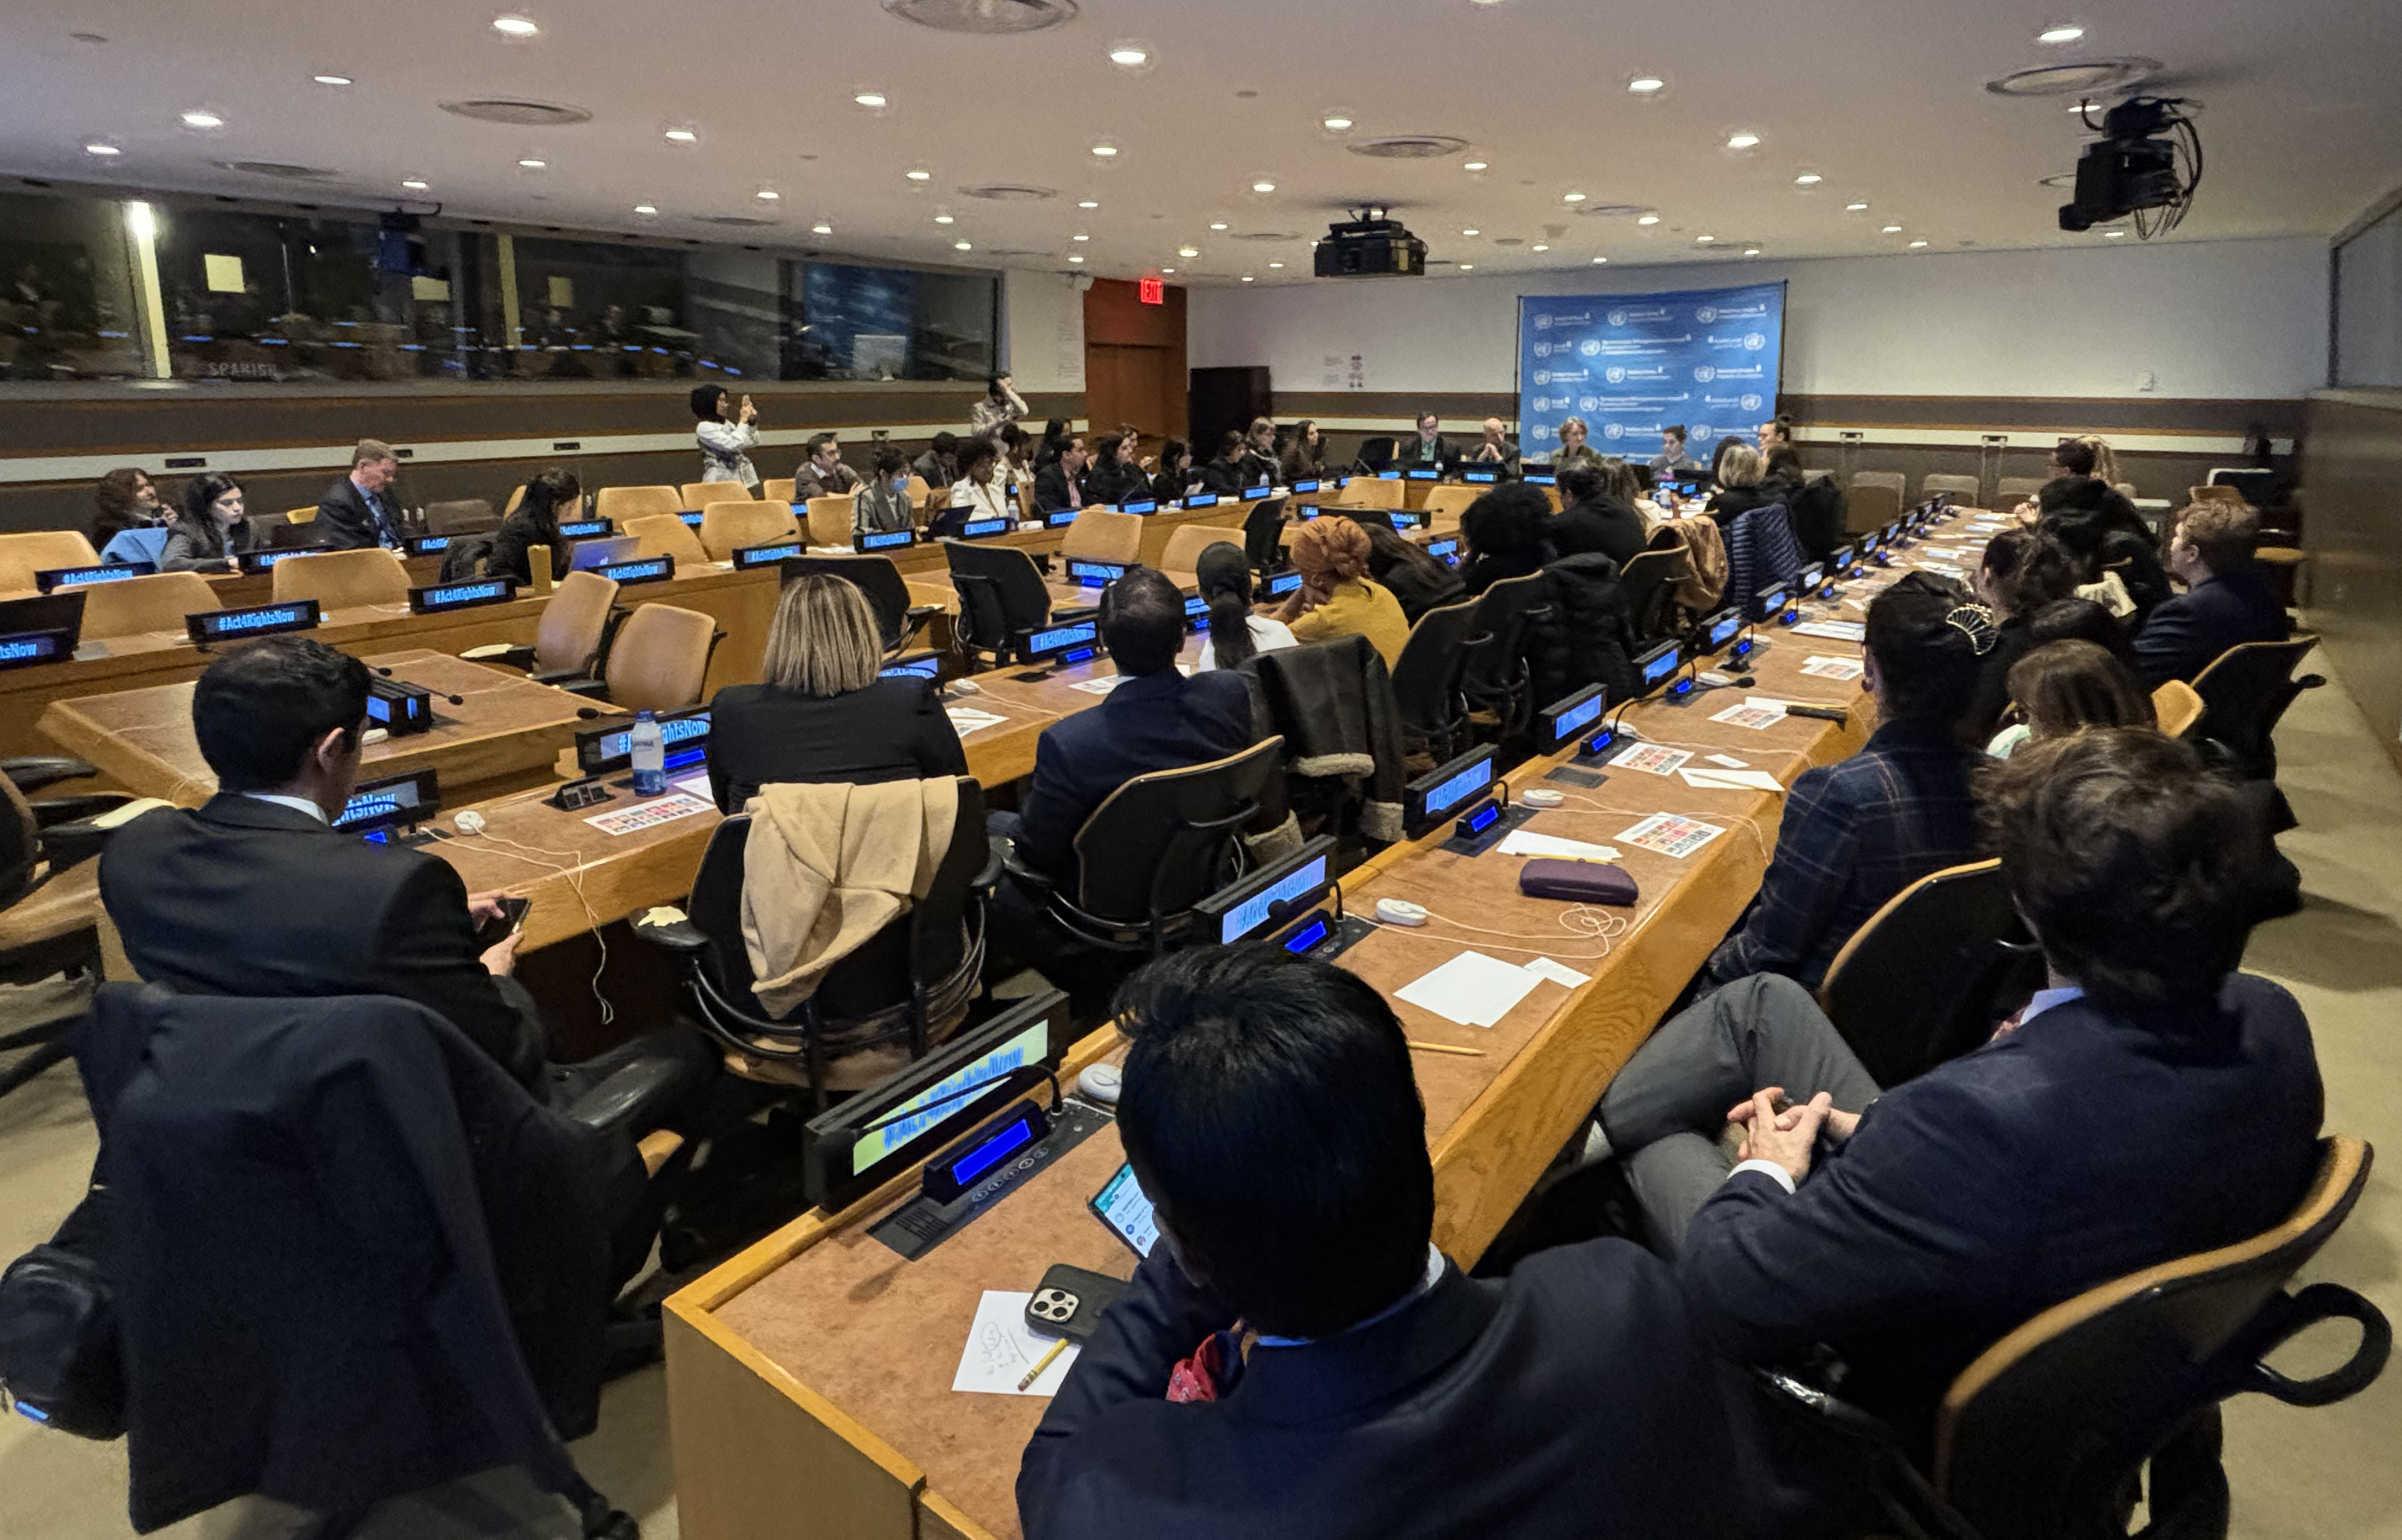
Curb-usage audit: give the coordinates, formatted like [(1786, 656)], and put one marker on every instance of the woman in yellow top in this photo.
[(1336, 597)]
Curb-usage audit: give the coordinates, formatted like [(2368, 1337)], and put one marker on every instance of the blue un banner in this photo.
[(1632, 364)]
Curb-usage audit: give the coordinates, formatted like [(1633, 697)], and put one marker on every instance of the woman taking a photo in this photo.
[(726, 446)]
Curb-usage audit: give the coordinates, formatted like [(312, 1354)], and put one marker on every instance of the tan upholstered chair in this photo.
[(466, 516), (1893, 479), (660, 659), (829, 519), (41, 550), (517, 495), (2011, 491), (777, 489), (1443, 500), (1370, 491), (1184, 548), (301, 516), (700, 494), (624, 502), (665, 535), (1871, 506), (159, 602), (2214, 495), (1966, 488), (575, 622), (1100, 536), (727, 527), (338, 580), (2178, 707)]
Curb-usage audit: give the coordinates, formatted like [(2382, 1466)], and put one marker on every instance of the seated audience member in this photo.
[(550, 497), (1060, 484), (2106, 461), (2061, 687), (1133, 436), (1258, 464), (360, 509), (1295, 1359), (1054, 444), (1224, 579), (884, 503), (1305, 455), (1494, 448), (1224, 475), (1857, 832), (2099, 528), (821, 712), (2225, 602), (211, 531), (1594, 520), (1417, 582), (1776, 432), (1017, 457), (1428, 446), (2082, 620), (979, 492), (1719, 454), (1574, 450), (255, 893), (1158, 720), (1508, 534), (1782, 477), (823, 473), (2023, 570), (1175, 478), (1113, 478), (1741, 477), (122, 500), (2149, 1103), (1336, 597), (1672, 461), (939, 466), (1813, 505)]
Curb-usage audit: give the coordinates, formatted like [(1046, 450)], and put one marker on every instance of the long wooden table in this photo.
[(809, 1377)]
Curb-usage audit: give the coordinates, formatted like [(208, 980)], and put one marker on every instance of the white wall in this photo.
[(1043, 315), (2240, 319)]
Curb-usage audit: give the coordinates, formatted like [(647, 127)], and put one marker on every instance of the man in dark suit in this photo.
[(2150, 1103), (1428, 446), (1060, 484), (359, 509), (1295, 1359), (1156, 720), (2225, 602)]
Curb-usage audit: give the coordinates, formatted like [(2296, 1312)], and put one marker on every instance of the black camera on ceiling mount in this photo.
[(2146, 163), (1370, 246)]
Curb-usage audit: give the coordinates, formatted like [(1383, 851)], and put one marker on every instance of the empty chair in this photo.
[(517, 496), (1893, 479), (1450, 502), (1376, 450), (338, 580), (898, 616), (2244, 691), (1426, 682), (624, 502), (1494, 675), (729, 527), (2215, 494), (1370, 491), (659, 658), (1264, 536), (24, 554), (700, 494), (301, 516), (1872, 507), (466, 516), (2175, 706), (829, 519), (1967, 489), (1926, 977), (2012, 490), (921, 491), (157, 603), (1100, 536), (776, 489), (1184, 548), (50, 892), (1001, 592), (570, 637), (1646, 585), (665, 535)]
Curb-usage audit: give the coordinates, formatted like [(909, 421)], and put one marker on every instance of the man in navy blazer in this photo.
[(1295, 1359), (2225, 602), (359, 509), (1156, 720), (2150, 1103)]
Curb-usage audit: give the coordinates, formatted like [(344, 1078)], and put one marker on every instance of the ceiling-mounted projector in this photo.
[(1370, 246), (2146, 163)]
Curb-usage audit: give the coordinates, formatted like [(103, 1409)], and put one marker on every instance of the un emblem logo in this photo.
[(1704, 373), (1706, 315), (1618, 318), (1614, 374), (1754, 340), (1589, 348)]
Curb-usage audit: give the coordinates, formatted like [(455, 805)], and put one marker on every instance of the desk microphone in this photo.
[(454, 699), (587, 713)]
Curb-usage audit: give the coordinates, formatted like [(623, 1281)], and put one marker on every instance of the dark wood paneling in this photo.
[(2352, 467), (1114, 312)]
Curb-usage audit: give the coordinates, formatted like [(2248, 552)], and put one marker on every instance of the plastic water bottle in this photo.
[(650, 756)]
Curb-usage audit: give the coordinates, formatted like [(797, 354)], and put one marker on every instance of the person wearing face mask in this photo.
[(125, 499), (883, 504), (211, 532), (823, 473), (360, 510)]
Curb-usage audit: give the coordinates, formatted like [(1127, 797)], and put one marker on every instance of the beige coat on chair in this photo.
[(828, 866)]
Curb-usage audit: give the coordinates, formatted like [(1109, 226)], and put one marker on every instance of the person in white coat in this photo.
[(725, 447)]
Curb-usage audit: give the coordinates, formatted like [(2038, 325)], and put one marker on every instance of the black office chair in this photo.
[(1494, 675), (1648, 583), (283, 534), (1158, 845), (49, 893), (887, 592), (2244, 692), (1375, 453), (907, 989), (1426, 682), (2049, 1434), (1263, 537), (1001, 592), (1926, 977)]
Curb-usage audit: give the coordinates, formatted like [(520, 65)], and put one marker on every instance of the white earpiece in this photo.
[(1542, 796), (470, 822), (1399, 911)]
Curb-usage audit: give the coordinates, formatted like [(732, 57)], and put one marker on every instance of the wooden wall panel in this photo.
[(2353, 472)]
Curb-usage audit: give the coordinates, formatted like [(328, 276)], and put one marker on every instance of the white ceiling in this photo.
[(2302, 119)]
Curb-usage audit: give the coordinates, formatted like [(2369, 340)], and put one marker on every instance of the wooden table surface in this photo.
[(820, 1362)]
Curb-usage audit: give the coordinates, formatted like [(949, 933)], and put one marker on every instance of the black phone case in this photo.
[(1069, 1300)]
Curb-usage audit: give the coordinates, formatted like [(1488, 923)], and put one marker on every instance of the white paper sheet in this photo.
[(1833, 630), (1723, 779), (967, 719), (1729, 760), (1527, 842), (1101, 686), (1558, 973), (999, 1350), (696, 784), (1472, 988)]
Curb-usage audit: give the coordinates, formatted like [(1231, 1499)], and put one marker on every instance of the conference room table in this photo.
[(810, 1376)]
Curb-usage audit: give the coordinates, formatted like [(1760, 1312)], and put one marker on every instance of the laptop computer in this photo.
[(588, 554)]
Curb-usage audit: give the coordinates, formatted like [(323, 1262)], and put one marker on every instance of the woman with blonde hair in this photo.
[(2106, 464), (823, 712), (1574, 450), (1258, 464), (1742, 473), (1336, 596)]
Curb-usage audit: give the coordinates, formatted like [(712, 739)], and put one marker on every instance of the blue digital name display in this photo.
[(1258, 909), (1059, 518), (992, 1152), (692, 519), (984, 528), (1196, 608), (1541, 479), (1871, 541), (33, 647), (886, 539), (1095, 575), (452, 596), (1307, 936), (916, 668), (1411, 518), (1811, 575), (1307, 483), (1659, 664), (1460, 787), (1252, 494), (1446, 551), (428, 545), (649, 569), (1772, 603), (1202, 500), (761, 555), (1043, 644), (1723, 631), (689, 734), (1283, 583), (264, 619), (1147, 505), (1480, 477), (1389, 475), (1567, 723), (584, 529), (1310, 511), (1481, 819), (83, 578), (260, 561)]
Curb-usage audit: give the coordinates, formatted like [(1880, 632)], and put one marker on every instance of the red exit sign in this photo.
[(1153, 292)]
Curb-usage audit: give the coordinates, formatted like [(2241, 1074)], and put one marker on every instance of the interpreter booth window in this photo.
[(2369, 305), (592, 311), (256, 296), (874, 323), (67, 308)]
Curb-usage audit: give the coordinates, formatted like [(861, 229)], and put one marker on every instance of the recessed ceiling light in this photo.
[(1263, 186), (1893, 230), (1538, 246), (1188, 252), (1131, 56), (201, 118), (103, 148), (1599, 261), (963, 245), (1167, 270), (1077, 258), (1915, 244), (1703, 240), (533, 162), (944, 219), (1743, 140), (2080, 107), (1080, 238), (1808, 179), (1088, 203), (1106, 151), (821, 227), (331, 79), (1571, 198), (682, 136), (1247, 278), (1473, 165), (1217, 223), (1646, 219), (2113, 235), (1275, 264), (872, 100), (768, 195), (2065, 32), (1467, 267), (514, 26), (1854, 208), (1471, 232), (1646, 85), (415, 184), (645, 210), (1334, 123), (1751, 251)]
